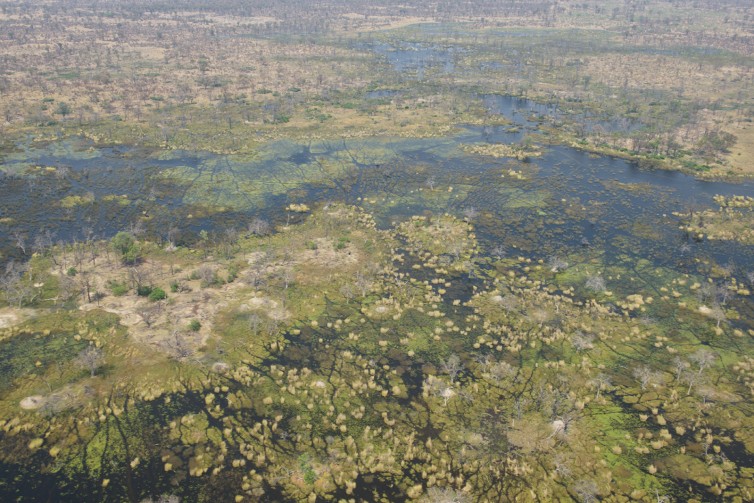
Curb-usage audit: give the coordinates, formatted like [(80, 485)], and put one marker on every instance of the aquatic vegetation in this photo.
[(520, 152), (208, 317), (359, 369), (732, 221)]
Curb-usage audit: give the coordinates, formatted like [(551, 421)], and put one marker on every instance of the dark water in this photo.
[(381, 94), (414, 59), (569, 199), (530, 114)]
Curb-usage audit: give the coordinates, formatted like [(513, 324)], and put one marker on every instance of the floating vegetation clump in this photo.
[(732, 221), (520, 152)]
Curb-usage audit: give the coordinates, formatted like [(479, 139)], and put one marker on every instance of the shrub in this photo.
[(126, 246), (157, 294), (232, 273), (143, 291), (118, 289), (71, 271), (194, 325), (342, 242)]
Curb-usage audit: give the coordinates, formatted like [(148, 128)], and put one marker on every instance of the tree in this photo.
[(452, 366), (645, 376), (596, 284), (125, 244), (16, 289), (703, 358), (259, 227), (91, 359), (600, 382), (63, 109)]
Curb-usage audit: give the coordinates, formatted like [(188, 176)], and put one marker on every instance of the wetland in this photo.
[(417, 259)]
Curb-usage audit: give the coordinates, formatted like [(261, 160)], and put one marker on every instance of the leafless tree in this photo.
[(255, 321), (586, 490), (259, 227), (16, 288), (207, 275), (91, 359), (177, 346), (502, 370), (596, 284), (20, 241), (582, 341), (692, 379), (136, 228), (717, 313), (646, 376), (348, 292), (165, 498), (680, 367), (470, 213), (556, 264), (363, 283), (149, 314), (600, 382), (498, 251), (703, 358), (452, 366)]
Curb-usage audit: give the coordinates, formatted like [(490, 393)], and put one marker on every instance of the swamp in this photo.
[(377, 251)]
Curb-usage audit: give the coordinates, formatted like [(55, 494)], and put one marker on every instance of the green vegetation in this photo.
[(156, 294), (402, 256), (125, 244), (340, 362)]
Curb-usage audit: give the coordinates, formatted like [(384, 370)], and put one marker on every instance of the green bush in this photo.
[(157, 294), (126, 246), (144, 291), (342, 242), (118, 289), (71, 271), (232, 273), (194, 325)]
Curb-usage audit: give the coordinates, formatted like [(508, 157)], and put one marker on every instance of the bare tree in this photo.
[(17, 290), (259, 227), (363, 283), (255, 321), (600, 383), (680, 367), (646, 376), (452, 366), (207, 275), (470, 213), (582, 341), (596, 284), (556, 264), (498, 251), (149, 314), (586, 490), (177, 346), (91, 359), (717, 313), (348, 292), (20, 241), (703, 358)]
